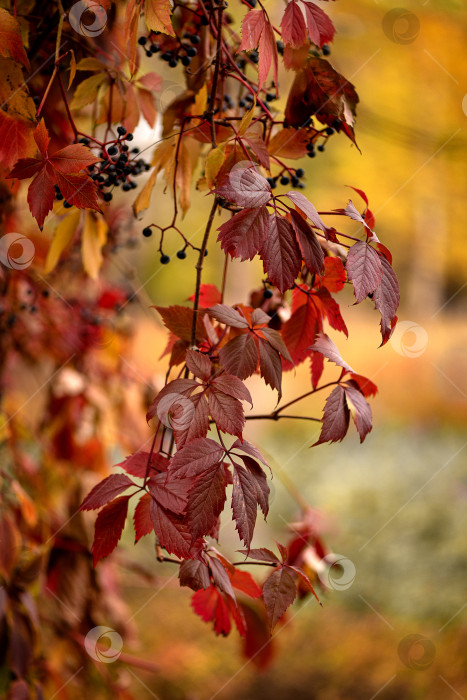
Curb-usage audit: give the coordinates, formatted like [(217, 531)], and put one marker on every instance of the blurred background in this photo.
[(394, 506)]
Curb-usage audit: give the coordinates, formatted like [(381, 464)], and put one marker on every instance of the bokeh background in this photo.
[(396, 505)]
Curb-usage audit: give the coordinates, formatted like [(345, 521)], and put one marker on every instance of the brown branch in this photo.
[(274, 416), (212, 103)]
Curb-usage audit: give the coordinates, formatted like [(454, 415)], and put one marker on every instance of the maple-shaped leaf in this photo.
[(11, 43), (364, 269), (245, 187), (320, 28), (320, 90), (386, 298), (258, 32), (206, 500), (61, 170), (329, 349), (109, 527), (244, 234), (105, 491), (194, 574), (279, 592), (359, 409), (336, 417), (142, 517), (280, 253)]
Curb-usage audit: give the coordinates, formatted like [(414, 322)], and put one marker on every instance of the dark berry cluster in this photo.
[(288, 177), (184, 50)]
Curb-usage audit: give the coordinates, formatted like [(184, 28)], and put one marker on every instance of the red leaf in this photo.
[(300, 330), (359, 409), (206, 500), (172, 494), (142, 517), (228, 315), (136, 464), (267, 51), (309, 245), (366, 386), (41, 194), (72, 158), (105, 491), (252, 25), (304, 578), (195, 458), (363, 269), (336, 417), (261, 554), (270, 366), (211, 606), (334, 274), (221, 577), (250, 449), (280, 253), (258, 644), (172, 532), (262, 487), (317, 367), (331, 310), (198, 364), (227, 413), (16, 140), (245, 187), (320, 28), (386, 298), (240, 356), (172, 393), (179, 319), (274, 338), (244, 582), (244, 503), (279, 591), (11, 43), (328, 348), (194, 574), (109, 527), (26, 167), (231, 385), (41, 137), (78, 190), (243, 235), (208, 296), (293, 25), (307, 208)]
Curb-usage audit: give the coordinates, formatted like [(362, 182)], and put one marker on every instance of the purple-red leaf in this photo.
[(240, 356), (328, 348), (206, 500), (109, 527), (245, 187), (280, 253), (279, 593), (359, 409), (195, 458), (336, 417), (364, 269), (105, 491), (243, 235)]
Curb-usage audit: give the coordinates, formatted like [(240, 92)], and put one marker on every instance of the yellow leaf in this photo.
[(201, 101), (213, 164), (93, 239), (86, 92), (72, 68), (62, 238), (161, 157), (14, 95), (141, 202), (246, 121), (157, 16), (91, 64)]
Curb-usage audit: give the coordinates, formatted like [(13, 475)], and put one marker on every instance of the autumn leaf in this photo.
[(105, 491), (157, 15), (93, 239), (364, 269), (109, 527), (11, 43), (279, 592), (336, 417)]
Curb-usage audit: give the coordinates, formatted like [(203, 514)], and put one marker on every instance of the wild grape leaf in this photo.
[(198, 364), (267, 54), (105, 491), (364, 269), (274, 338), (228, 315), (309, 245), (270, 366), (329, 349), (289, 143), (293, 25), (170, 493), (194, 574), (206, 500), (261, 554), (279, 592), (232, 386), (250, 449), (304, 579), (11, 43), (307, 208), (211, 606), (173, 534), (136, 464), (262, 487), (257, 32), (190, 421), (280, 253), (109, 527), (142, 517), (41, 193), (220, 577), (157, 15), (244, 582), (334, 274), (317, 367), (300, 329), (319, 90), (245, 187), (172, 393), (240, 356), (320, 28), (179, 319), (336, 417), (386, 298), (195, 458), (243, 235), (366, 386), (244, 503), (209, 295), (227, 412), (359, 408), (330, 308)]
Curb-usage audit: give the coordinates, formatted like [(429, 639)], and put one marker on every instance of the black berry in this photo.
[(181, 255), (121, 130), (267, 293), (326, 50), (147, 231), (165, 259), (284, 180), (142, 40), (300, 172), (108, 196), (112, 151)]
